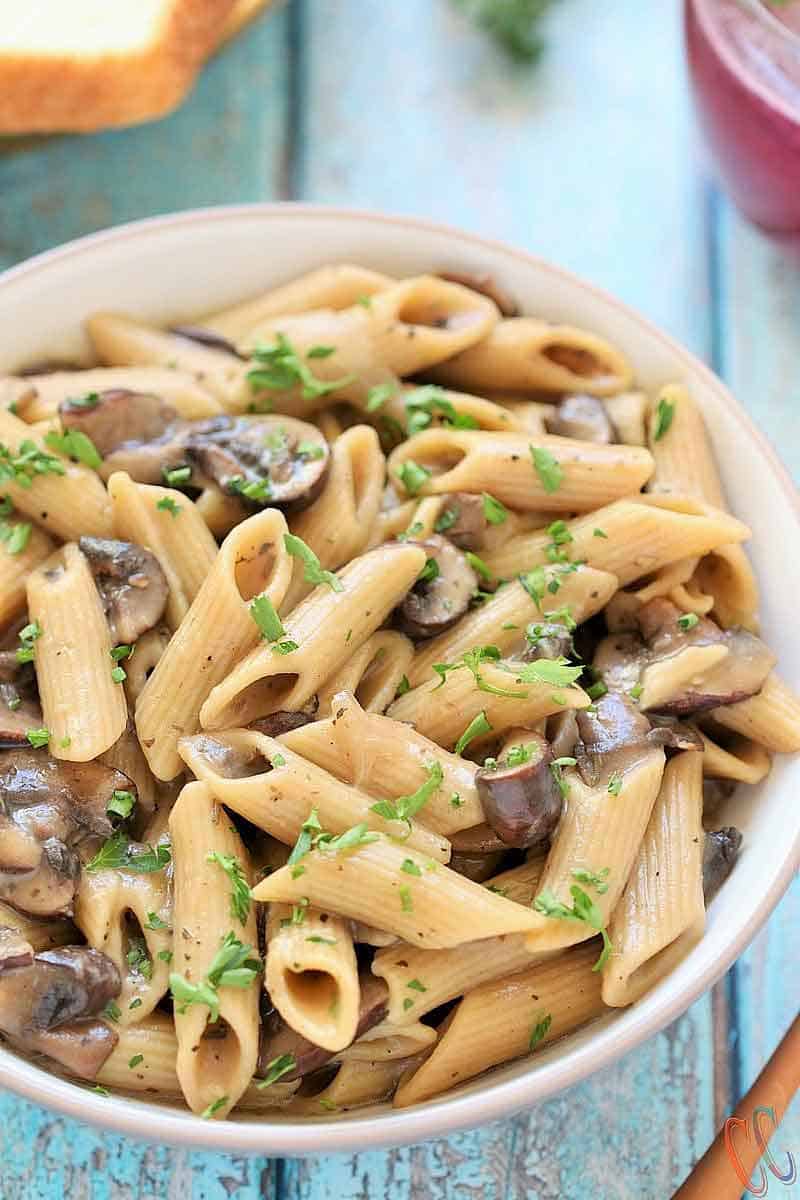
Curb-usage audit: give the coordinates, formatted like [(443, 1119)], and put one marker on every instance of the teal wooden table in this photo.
[(589, 160)]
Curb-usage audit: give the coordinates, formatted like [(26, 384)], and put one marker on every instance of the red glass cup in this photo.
[(744, 63)]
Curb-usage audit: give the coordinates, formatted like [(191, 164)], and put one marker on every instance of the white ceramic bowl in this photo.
[(180, 266)]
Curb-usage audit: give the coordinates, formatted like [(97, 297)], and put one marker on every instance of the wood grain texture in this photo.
[(227, 142)]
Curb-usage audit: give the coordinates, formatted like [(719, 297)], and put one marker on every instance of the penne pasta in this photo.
[(217, 1051), (538, 1005), (739, 759), (428, 906), (373, 674), (523, 354), (388, 759), (312, 975), (217, 630), (327, 628), (180, 540), (267, 783), (15, 569), (84, 709), (178, 389), (661, 914), (554, 474), (771, 718)]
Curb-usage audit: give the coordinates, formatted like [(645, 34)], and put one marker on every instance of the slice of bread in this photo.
[(243, 12), (80, 65)]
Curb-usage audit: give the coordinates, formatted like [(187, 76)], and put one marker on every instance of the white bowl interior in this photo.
[(179, 267)]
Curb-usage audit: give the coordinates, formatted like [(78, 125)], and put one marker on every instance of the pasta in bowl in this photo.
[(377, 665)]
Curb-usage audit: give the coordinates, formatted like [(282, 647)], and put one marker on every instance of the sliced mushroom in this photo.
[(283, 460), (720, 852), (522, 803), (434, 604), (562, 733), (206, 337), (48, 811), (19, 701), (468, 524), (477, 867), (281, 722), (740, 674), (619, 660), (673, 734), (280, 1039), (485, 285), (45, 1001), (610, 738), (547, 639), (583, 418), (715, 793), (131, 583), (149, 461), (15, 950), (118, 416), (478, 839)]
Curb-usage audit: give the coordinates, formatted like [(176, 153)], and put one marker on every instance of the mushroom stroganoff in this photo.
[(374, 659)]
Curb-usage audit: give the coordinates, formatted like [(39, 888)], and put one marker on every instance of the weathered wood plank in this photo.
[(47, 1157), (228, 142), (582, 160), (759, 352)]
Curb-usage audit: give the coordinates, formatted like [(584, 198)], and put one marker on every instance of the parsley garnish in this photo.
[(38, 737), (516, 756), (240, 889), (448, 518), (176, 476), (111, 1011), (477, 726), (280, 367), (167, 504), (231, 966), (403, 686), (313, 836), (596, 690), (416, 986), (422, 402), (406, 902), (314, 572), (90, 400), (595, 879), (121, 803), (27, 636), (549, 471), (600, 533), (75, 445), (28, 462), (553, 671), (410, 867), (558, 775), (495, 512), (413, 476), (154, 922), (429, 572), (17, 536), (119, 853), (379, 394), (139, 959), (266, 618), (405, 808), (277, 1069), (213, 1108), (615, 784), (665, 411), (478, 565), (583, 909), (688, 621), (540, 1031), (322, 941)]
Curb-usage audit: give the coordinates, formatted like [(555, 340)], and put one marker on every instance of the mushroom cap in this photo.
[(287, 458), (720, 852), (547, 639), (433, 605), (583, 418), (468, 530), (523, 802), (118, 417), (131, 583), (610, 738)]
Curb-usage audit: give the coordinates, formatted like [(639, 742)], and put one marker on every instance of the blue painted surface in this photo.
[(590, 161)]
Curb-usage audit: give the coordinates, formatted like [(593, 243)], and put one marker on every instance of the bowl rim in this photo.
[(439, 1118)]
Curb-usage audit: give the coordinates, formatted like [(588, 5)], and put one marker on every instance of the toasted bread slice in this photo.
[(91, 64)]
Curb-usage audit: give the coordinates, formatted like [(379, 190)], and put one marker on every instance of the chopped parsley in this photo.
[(413, 476), (90, 400), (154, 922), (665, 411), (636, 691), (240, 889), (403, 686), (121, 804), (406, 902), (447, 518), (14, 536), (322, 941), (688, 621), (314, 572), (311, 451), (583, 909), (232, 966), (558, 775), (38, 737), (421, 404), (176, 476), (167, 504), (213, 1108), (405, 808), (410, 867), (139, 959), (416, 986), (478, 726), (517, 756), (495, 512), (615, 784), (556, 672), (280, 367), (29, 461), (478, 565), (596, 690), (595, 879), (540, 1031), (119, 853), (561, 536), (429, 572), (266, 618), (111, 1011), (550, 472), (277, 1069), (75, 445), (456, 801), (27, 636), (119, 674), (379, 394), (313, 837), (600, 533)]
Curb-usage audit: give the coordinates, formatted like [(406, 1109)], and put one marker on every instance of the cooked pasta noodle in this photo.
[(340, 692)]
